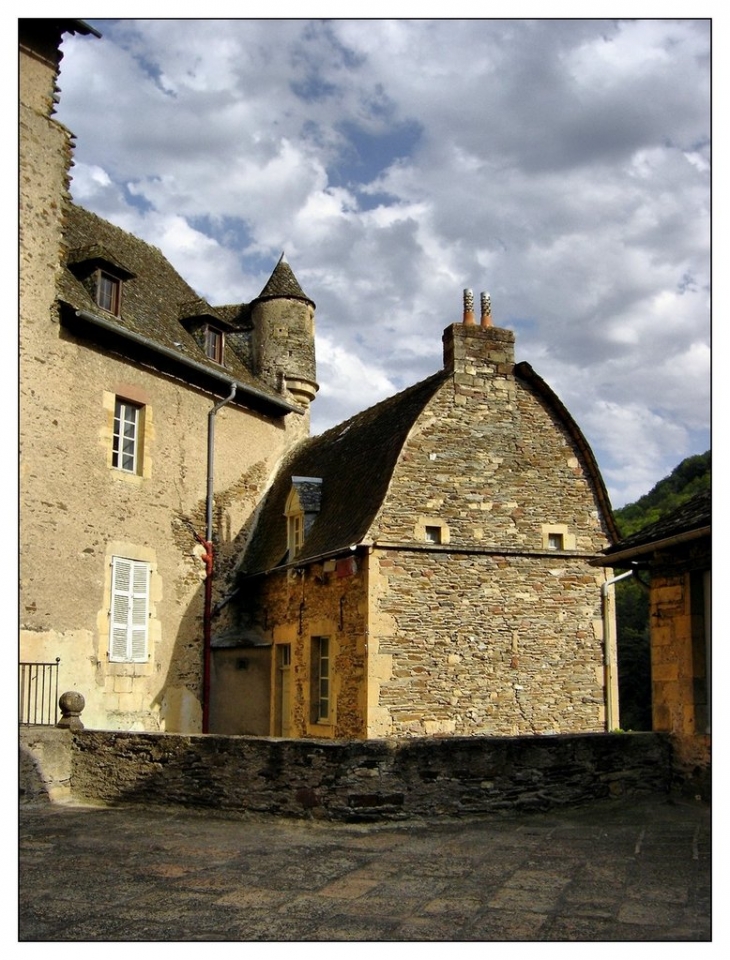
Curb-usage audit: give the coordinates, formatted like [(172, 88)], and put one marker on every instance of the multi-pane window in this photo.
[(126, 436), (295, 528), (214, 344), (129, 610), (108, 292), (320, 679)]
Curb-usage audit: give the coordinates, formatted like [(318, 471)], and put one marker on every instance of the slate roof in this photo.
[(283, 283), (692, 517), (155, 301), (355, 461)]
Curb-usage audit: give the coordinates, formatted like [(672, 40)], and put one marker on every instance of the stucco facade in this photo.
[(82, 506)]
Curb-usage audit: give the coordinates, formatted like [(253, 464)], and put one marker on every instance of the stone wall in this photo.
[(366, 780), (493, 629), (323, 600)]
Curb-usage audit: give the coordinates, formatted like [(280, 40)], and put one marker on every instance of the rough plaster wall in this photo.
[(77, 511), (80, 505), (284, 341), (487, 643)]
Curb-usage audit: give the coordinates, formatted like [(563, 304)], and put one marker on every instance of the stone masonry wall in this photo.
[(489, 631), (488, 644), (329, 602), (366, 780)]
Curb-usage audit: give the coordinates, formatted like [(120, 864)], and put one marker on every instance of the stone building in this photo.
[(150, 423), (421, 569), (424, 568), (676, 552)]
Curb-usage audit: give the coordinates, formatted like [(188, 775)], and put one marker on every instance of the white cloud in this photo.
[(563, 165)]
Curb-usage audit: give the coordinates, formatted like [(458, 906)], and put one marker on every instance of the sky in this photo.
[(561, 165)]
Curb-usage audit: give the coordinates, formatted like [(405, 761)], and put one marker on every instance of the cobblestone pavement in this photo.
[(620, 870)]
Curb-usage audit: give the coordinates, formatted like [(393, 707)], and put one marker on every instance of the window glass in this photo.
[(126, 436), (107, 293), (321, 678), (214, 344)]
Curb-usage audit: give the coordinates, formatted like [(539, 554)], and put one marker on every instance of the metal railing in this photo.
[(38, 693)]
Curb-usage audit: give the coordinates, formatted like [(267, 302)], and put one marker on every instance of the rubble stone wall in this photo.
[(366, 780)]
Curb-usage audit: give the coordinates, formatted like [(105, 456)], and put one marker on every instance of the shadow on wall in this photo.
[(32, 786), (360, 781), (241, 674)]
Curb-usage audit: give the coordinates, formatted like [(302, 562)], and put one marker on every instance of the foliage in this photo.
[(691, 476), (632, 595)]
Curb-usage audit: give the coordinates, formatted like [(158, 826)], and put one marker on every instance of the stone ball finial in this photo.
[(71, 704)]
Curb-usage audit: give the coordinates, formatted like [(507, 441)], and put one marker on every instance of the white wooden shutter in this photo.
[(129, 613)]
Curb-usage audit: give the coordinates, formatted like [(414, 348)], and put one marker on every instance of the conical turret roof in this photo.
[(283, 283)]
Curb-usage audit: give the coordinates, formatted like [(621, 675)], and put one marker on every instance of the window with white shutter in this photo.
[(130, 610)]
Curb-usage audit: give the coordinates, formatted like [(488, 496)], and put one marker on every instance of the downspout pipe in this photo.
[(209, 557), (609, 665)]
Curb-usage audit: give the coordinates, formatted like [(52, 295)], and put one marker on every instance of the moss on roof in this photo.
[(283, 283), (154, 297), (355, 462)]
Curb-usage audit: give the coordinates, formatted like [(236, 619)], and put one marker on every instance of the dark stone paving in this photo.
[(615, 871)]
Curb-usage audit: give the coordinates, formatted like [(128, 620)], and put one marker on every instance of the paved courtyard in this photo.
[(627, 871)]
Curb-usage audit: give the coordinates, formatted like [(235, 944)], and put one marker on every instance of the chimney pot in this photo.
[(486, 302), (469, 320)]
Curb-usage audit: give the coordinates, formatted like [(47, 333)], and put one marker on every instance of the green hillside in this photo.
[(691, 476), (632, 597)]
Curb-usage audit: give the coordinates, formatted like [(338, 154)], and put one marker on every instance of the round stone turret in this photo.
[(283, 336)]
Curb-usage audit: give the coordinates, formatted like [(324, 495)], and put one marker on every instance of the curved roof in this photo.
[(355, 461), (525, 372)]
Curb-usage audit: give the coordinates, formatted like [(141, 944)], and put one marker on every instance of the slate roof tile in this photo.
[(355, 461)]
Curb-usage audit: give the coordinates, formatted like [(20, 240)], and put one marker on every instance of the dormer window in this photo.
[(214, 342), (108, 292), (302, 507)]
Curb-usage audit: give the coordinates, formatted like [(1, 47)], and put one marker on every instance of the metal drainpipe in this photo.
[(605, 605), (208, 557)]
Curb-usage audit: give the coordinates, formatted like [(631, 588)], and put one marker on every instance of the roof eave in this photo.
[(222, 377), (641, 549)]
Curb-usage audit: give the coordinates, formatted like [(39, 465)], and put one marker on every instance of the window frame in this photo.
[(321, 687), (214, 343), (108, 291), (119, 436), (129, 610)]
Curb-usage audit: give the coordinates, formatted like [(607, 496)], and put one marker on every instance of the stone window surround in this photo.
[(423, 522), (560, 530), (129, 393)]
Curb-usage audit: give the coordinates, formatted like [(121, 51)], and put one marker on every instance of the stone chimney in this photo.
[(481, 351)]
